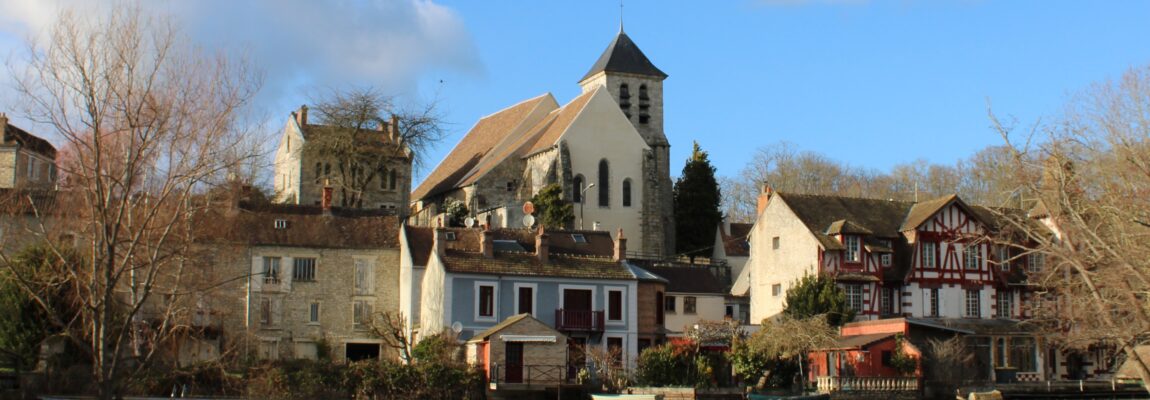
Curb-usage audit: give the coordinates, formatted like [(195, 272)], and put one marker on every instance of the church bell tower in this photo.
[(637, 86)]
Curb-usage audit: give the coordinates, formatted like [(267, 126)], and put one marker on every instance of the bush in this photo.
[(430, 380), (298, 379)]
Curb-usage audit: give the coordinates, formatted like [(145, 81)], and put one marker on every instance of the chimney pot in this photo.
[(620, 246), (542, 247), (301, 116), (3, 123)]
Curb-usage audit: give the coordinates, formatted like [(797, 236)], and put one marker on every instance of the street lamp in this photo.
[(583, 200)]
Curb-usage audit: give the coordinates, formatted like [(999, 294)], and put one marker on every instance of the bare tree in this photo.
[(363, 134), (391, 328), (1089, 252), (149, 124)]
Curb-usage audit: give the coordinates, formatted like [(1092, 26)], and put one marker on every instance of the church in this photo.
[(605, 148)]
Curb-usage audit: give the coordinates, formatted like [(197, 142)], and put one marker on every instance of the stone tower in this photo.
[(637, 85)]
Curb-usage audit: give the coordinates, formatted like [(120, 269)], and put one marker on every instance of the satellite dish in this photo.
[(528, 220), (528, 208), (456, 327), (470, 222)]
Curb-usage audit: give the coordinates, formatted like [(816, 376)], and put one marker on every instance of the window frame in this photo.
[(1004, 298), (313, 312), (604, 183), (776, 290), (972, 257), (934, 302), (493, 307), (690, 305), (296, 269), (669, 304), (534, 297), (932, 257), (973, 302), (627, 192), (622, 309), (854, 296), (363, 280), (272, 269), (1035, 262), (852, 249), (361, 310)]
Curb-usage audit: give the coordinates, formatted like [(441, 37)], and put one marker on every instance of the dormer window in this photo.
[(578, 238), (852, 253), (450, 236)]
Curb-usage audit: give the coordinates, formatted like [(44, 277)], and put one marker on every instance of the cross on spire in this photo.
[(620, 16)]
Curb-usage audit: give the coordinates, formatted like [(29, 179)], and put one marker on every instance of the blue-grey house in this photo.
[(577, 282)]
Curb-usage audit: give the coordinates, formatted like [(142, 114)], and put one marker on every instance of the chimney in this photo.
[(486, 243), (301, 116), (325, 198), (3, 124), (620, 247), (440, 242), (542, 248), (393, 128), (765, 193)]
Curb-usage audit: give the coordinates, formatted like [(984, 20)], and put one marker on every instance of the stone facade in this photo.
[(300, 180), (26, 161)]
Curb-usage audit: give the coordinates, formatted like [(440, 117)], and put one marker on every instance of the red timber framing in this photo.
[(951, 229)]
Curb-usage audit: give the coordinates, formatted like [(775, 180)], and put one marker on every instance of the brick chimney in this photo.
[(765, 192), (301, 115), (486, 243), (393, 129), (325, 198), (3, 124), (542, 247), (440, 242), (620, 247)]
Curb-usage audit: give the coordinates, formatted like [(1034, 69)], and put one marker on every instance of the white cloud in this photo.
[(299, 44)]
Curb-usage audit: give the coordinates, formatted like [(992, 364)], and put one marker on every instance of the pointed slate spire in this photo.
[(624, 56)]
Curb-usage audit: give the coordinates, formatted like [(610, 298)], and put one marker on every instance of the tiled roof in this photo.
[(843, 226), (818, 212), (689, 280), (479, 337), (483, 137), (859, 341), (622, 55), (304, 228), (526, 264), (14, 135), (563, 119), (922, 211), (735, 242), (560, 243)]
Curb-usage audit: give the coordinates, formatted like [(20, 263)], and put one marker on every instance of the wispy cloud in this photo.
[(299, 44)]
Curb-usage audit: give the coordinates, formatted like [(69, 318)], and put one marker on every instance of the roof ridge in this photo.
[(839, 196)]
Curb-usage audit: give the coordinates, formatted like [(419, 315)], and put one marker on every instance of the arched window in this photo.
[(577, 189), (391, 180), (382, 178), (627, 192), (604, 184), (318, 171)]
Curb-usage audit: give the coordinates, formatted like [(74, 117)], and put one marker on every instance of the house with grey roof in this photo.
[(26, 160), (579, 283)]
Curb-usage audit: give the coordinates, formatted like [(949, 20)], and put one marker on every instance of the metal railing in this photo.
[(579, 320), (534, 374), (827, 384)]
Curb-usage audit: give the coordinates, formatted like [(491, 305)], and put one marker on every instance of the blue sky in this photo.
[(868, 83)]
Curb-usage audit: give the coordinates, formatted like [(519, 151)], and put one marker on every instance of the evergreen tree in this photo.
[(697, 202), (550, 208), (813, 296)]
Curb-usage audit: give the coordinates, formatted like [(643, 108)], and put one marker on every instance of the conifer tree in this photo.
[(812, 296), (697, 202)]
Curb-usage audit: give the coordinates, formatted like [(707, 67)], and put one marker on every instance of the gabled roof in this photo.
[(512, 320), (478, 143), (818, 212), (622, 55), (303, 226), (563, 119), (735, 242), (843, 226), (689, 280), (16, 136), (857, 342)]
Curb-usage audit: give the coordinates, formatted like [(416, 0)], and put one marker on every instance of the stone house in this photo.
[(26, 161), (300, 178), (520, 352), (693, 295), (577, 282), (302, 281), (732, 247), (605, 148)]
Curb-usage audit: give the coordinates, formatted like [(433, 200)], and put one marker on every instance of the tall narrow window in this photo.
[(577, 190), (362, 277), (313, 313), (659, 308), (973, 305), (1035, 262), (318, 171), (854, 296), (689, 304), (885, 306), (852, 248), (361, 314), (627, 192), (644, 105), (932, 302), (327, 169), (391, 180), (625, 99), (929, 253), (615, 305), (1003, 257), (266, 311), (669, 304), (526, 300), (1005, 307), (272, 270), (604, 184), (382, 178), (303, 269), (972, 253), (486, 301)]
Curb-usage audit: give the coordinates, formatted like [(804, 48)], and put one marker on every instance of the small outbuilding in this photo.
[(521, 350)]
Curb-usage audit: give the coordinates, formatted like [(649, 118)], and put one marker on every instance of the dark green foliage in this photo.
[(550, 208), (27, 322), (297, 379), (812, 295), (677, 365), (441, 348), (904, 363), (697, 202), (456, 212), (389, 379)]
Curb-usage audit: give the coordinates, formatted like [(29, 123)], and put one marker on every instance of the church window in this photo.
[(604, 184), (382, 178), (625, 99), (577, 190), (391, 180), (627, 192), (644, 105)]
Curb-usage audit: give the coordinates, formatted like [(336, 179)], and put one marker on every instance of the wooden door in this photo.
[(514, 362)]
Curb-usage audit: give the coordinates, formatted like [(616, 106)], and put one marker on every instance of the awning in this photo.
[(528, 338)]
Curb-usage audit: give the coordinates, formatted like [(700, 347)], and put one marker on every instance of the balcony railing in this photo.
[(579, 320), (827, 384)]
